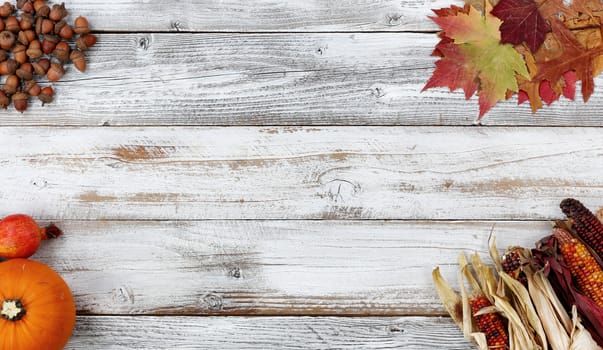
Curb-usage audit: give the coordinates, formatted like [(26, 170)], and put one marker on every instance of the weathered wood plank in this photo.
[(259, 15), (416, 333), (273, 79), (298, 173), (356, 268)]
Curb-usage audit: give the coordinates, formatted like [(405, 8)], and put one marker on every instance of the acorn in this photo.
[(12, 24), (4, 100), (25, 5), (27, 21), (32, 88), (44, 11), (20, 101), (11, 84), (49, 43), (78, 59), (63, 30), (6, 9), (3, 55), (38, 26), (61, 51), (38, 4), (41, 67), (47, 26), (85, 41), (2, 25), (55, 72), (19, 53), (34, 50), (25, 71), (57, 12), (66, 32), (7, 39), (8, 67), (46, 95), (25, 36), (81, 25)]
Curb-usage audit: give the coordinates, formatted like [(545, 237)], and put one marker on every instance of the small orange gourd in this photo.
[(37, 310)]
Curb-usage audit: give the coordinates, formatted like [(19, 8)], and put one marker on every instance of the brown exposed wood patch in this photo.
[(154, 197), (93, 196), (138, 152)]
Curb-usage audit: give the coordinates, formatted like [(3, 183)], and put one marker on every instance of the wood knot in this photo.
[(235, 272), (393, 19), (213, 302), (339, 191), (177, 26), (144, 43), (124, 295)]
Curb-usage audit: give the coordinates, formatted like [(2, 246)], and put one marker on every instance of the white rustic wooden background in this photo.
[(266, 174)]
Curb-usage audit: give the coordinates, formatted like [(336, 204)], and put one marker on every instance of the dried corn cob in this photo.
[(584, 268), (491, 324), (511, 263), (585, 223)]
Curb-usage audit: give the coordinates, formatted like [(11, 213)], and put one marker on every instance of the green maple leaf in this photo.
[(492, 64)]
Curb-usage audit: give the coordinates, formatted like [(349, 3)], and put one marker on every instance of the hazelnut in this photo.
[(55, 72), (20, 101), (11, 84)]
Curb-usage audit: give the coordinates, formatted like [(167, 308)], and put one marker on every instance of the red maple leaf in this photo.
[(522, 22), (453, 70), (574, 57)]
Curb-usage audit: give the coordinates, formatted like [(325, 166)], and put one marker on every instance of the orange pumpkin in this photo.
[(37, 308)]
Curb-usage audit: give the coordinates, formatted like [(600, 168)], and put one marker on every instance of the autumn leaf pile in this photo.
[(535, 49)]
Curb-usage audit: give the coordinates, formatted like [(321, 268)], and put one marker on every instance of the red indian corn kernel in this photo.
[(491, 324), (585, 223), (585, 270), (511, 264)]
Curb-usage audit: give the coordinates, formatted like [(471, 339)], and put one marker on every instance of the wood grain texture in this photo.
[(353, 268), (258, 15), (298, 173), (273, 79), (260, 333)]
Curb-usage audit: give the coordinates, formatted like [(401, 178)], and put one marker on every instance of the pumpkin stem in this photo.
[(12, 310), (50, 231)]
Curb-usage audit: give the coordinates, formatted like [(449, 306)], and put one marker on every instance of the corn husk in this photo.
[(560, 278), (581, 338), (521, 301)]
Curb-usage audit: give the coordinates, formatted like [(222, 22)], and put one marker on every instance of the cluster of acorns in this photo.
[(35, 39)]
